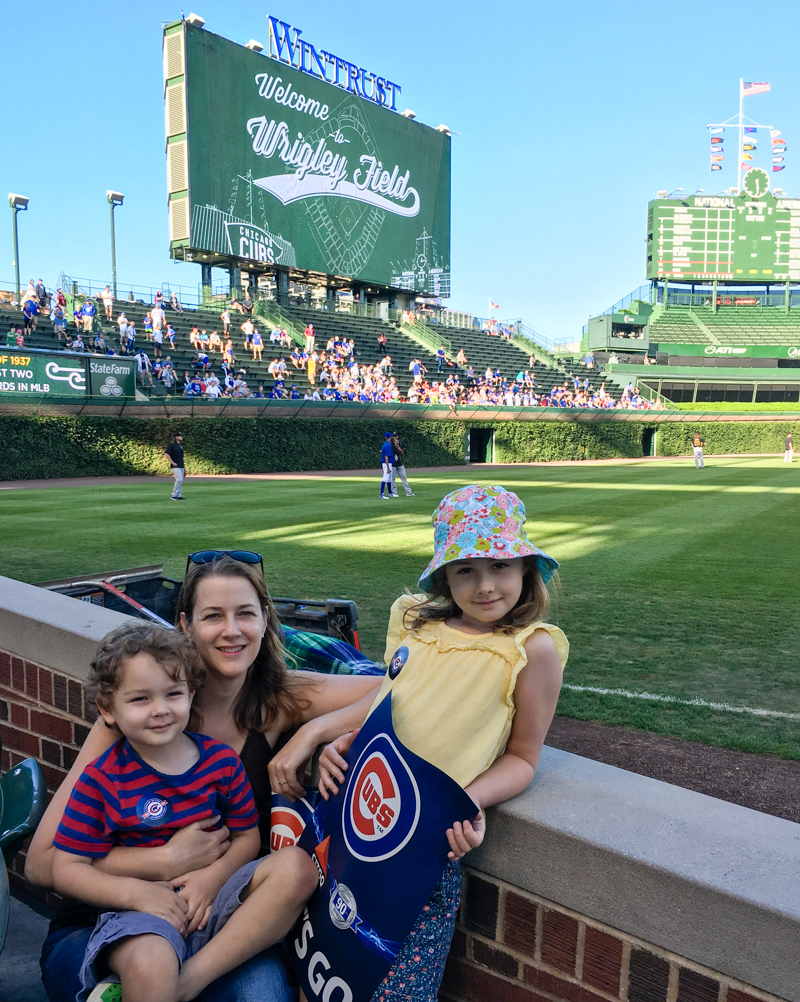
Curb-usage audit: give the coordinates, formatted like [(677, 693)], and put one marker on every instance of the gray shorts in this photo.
[(113, 926)]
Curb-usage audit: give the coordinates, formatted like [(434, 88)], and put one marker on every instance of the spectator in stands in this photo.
[(170, 333), (29, 312), (311, 368), (194, 387), (382, 341), (225, 317), (175, 303), (42, 296), (247, 328), (147, 326), (461, 358), (158, 341), (143, 367), (108, 302), (89, 312), (227, 351), (257, 344), (214, 342), (201, 360), (59, 321), (157, 313), (167, 377), (309, 336), (100, 345), (272, 368), (77, 344), (122, 320), (61, 299), (440, 357), (247, 303), (29, 293), (131, 335)]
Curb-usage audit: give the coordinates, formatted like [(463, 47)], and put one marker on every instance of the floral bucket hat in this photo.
[(487, 522)]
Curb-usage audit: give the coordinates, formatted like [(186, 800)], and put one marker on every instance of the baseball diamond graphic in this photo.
[(333, 226)]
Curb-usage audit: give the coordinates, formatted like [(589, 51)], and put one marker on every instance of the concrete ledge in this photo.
[(705, 879), (51, 629)]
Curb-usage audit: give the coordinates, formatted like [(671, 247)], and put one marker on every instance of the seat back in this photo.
[(22, 803)]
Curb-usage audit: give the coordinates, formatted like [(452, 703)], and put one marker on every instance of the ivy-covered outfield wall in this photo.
[(47, 447), (723, 437)]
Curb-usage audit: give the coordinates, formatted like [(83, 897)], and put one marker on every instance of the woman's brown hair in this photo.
[(532, 607), (268, 688)]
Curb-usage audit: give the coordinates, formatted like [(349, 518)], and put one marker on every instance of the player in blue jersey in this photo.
[(387, 458), (154, 781)]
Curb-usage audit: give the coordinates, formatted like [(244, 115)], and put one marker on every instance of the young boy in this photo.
[(153, 781)]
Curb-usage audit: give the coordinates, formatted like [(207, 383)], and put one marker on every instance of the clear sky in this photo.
[(572, 115)]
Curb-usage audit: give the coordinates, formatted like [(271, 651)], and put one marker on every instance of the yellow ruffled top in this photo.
[(453, 692)]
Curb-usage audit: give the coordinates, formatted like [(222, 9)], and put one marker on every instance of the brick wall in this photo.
[(511, 946), (43, 715)]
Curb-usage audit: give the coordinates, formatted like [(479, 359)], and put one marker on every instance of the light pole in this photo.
[(115, 198), (16, 202)]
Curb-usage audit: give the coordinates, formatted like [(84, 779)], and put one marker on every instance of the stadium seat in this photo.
[(22, 804)]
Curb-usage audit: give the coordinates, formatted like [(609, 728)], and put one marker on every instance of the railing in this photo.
[(423, 334), (644, 294), (189, 296), (276, 316)]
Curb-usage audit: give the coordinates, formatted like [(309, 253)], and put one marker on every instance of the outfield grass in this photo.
[(673, 581)]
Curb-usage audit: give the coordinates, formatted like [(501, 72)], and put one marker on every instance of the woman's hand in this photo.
[(332, 765), (192, 848), (198, 890), (466, 836), (286, 768)]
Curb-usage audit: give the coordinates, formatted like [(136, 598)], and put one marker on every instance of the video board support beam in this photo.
[(205, 282), (235, 273)]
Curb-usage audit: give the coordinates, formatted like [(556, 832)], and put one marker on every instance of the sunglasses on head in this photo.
[(208, 556)]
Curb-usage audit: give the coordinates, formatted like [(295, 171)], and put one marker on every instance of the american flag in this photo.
[(749, 88), (493, 306)]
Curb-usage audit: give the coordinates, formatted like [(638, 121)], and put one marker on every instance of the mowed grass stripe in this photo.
[(673, 581)]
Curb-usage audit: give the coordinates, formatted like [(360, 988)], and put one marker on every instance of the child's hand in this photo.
[(463, 837), (193, 848), (159, 898), (198, 889), (332, 766)]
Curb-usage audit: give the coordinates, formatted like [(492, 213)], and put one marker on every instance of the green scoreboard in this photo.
[(731, 238), (269, 164)]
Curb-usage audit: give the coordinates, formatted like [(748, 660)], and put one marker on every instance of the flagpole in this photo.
[(741, 134)]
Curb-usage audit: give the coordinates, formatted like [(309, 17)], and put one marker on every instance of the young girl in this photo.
[(475, 674)]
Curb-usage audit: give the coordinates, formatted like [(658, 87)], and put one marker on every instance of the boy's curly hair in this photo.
[(170, 648)]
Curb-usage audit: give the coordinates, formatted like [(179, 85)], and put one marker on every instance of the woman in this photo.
[(248, 701)]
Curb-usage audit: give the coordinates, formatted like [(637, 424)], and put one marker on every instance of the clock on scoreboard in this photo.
[(750, 237)]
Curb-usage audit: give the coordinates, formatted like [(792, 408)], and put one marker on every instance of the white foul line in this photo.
[(653, 697)]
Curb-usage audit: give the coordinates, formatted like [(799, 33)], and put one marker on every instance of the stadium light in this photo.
[(17, 203), (196, 20), (115, 198), (254, 45), (777, 191), (408, 113), (675, 192), (443, 128)]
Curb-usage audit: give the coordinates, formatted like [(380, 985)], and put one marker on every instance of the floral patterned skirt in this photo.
[(418, 968)]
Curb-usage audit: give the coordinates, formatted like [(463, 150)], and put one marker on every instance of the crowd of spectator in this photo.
[(334, 373)]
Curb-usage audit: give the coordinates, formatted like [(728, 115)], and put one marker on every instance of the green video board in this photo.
[(730, 238), (284, 168), (65, 375)]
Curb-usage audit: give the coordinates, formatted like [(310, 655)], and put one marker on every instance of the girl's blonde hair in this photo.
[(532, 607), (269, 689)]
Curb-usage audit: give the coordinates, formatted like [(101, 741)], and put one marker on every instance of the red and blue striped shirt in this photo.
[(120, 800)]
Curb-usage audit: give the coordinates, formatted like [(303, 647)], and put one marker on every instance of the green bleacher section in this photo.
[(482, 350), (743, 325)]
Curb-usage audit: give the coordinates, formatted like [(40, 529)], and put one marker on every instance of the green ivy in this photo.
[(723, 438), (50, 447)]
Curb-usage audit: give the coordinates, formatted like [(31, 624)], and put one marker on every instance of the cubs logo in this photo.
[(152, 811), (286, 827), (382, 804), (399, 658)]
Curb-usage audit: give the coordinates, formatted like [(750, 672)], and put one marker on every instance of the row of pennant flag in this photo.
[(750, 137), (749, 148)]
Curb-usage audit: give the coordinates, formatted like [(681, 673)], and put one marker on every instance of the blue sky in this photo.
[(571, 116)]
